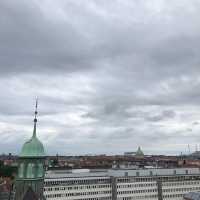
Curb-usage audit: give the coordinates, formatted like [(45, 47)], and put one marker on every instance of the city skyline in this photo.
[(110, 76)]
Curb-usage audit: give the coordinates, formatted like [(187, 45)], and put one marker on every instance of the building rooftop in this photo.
[(54, 174)]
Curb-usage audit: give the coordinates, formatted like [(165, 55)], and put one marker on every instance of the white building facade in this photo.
[(146, 184)]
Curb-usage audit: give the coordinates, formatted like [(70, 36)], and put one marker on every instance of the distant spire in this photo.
[(189, 149), (35, 119)]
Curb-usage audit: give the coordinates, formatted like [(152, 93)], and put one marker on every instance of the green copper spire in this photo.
[(31, 166), (35, 119), (33, 147), (139, 152)]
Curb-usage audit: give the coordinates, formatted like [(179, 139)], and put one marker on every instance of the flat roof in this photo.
[(81, 173)]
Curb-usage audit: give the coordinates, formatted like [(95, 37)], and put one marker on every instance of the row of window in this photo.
[(181, 189), (137, 191), (77, 194), (155, 184), (153, 196), (165, 196), (170, 196), (128, 192), (49, 182), (155, 178), (137, 185), (181, 183), (94, 198), (82, 187)]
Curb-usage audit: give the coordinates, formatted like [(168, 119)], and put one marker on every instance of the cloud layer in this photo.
[(110, 75)]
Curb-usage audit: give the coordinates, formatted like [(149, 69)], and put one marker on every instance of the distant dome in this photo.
[(32, 148), (139, 152)]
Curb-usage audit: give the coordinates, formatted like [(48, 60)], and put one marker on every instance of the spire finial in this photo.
[(36, 105), (35, 119)]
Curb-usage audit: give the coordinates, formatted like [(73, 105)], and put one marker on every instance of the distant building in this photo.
[(6, 192), (195, 154), (130, 153), (139, 152)]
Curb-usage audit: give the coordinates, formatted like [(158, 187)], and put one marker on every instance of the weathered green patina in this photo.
[(31, 166), (33, 147)]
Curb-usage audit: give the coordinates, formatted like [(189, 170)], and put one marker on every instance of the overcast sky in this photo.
[(110, 75)]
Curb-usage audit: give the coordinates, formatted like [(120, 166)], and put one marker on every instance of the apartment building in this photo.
[(143, 184)]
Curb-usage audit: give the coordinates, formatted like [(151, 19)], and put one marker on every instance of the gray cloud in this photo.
[(109, 75), (166, 114)]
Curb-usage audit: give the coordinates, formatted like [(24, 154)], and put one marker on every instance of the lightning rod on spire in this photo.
[(36, 112)]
